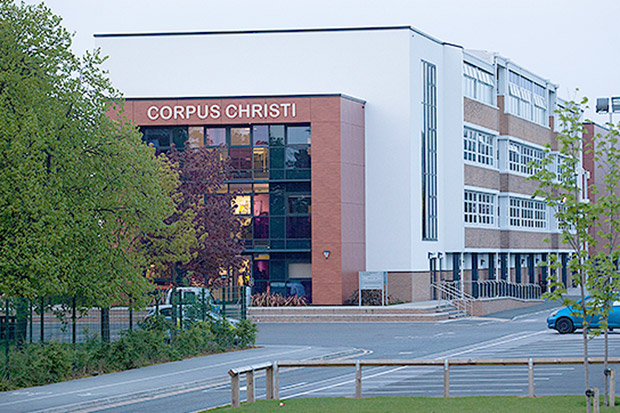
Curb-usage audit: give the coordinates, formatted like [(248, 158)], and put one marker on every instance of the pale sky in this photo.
[(573, 43)]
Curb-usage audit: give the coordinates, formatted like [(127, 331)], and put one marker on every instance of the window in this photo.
[(429, 152), (527, 213), (478, 84), (270, 177), (478, 147), (479, 208), (519, 157), (526, 99)]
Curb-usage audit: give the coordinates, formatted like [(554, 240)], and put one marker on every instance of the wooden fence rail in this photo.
[(273, 380)]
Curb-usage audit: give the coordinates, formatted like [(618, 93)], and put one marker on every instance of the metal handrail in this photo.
[(460, 299), (273, 381)]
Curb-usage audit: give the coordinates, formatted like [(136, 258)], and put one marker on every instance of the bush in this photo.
[(276, 300), (246, 334), (370, 297), (156, 342), (37, 364), (198, 339)]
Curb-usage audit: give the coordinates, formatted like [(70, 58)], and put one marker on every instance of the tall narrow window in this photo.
[(429, 151)]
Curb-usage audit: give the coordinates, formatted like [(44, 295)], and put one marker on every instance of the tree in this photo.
[(204, 173), (78, 188), (578, 217), (604, 286)]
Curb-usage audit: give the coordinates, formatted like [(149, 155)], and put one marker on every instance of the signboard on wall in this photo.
[(373, 280), (216, 111)]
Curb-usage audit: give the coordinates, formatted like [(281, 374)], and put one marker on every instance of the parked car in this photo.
[(192, 304), (190, 314), (568, 319)]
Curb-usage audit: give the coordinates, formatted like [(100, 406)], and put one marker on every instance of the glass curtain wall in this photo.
[(271, 183)]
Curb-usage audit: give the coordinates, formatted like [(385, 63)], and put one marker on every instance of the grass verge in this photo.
[(495, 404)]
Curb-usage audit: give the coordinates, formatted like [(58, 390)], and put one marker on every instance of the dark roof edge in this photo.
[(316, 95), (258, 31), (267, 31)]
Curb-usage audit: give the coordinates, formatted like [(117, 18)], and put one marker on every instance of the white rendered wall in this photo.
[(380, 67)]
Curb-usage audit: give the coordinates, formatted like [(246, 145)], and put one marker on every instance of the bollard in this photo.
[(446, 378), (276, 381), (249, 382), (358, 380), (530, 378), (269, 383)]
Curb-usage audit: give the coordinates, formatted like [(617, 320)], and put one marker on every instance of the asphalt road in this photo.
[(202, 383)]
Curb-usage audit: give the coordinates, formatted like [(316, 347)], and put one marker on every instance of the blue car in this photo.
[(568, 319)]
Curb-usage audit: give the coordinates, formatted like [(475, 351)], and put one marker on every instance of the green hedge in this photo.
[(156, 342)]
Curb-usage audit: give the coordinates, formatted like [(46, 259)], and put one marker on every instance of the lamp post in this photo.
[(603, 106)]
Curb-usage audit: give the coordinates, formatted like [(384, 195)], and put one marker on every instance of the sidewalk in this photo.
[(100, 391)]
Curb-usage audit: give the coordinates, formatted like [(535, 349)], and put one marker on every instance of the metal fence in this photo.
[(493, 289), (67, 319)]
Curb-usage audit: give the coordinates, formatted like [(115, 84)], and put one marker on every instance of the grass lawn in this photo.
[(424, 404)]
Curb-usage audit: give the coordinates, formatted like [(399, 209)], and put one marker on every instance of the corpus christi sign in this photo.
[(216, 111)]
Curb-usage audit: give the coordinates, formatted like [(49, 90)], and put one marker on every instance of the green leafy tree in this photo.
[(604, 285), (78, 188), (579, 219)]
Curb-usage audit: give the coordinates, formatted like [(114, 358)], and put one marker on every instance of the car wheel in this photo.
[(564, 326)]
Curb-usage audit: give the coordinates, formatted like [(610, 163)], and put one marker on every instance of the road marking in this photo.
[(547, 311), (480, 347), (494, 342)]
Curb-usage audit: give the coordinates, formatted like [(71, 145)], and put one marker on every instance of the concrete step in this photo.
[(351, 318), (428, 311), (340, 310)]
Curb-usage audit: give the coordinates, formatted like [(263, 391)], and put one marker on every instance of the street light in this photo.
[(603, 106)]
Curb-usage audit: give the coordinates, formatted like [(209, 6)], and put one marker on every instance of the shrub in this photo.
[(38, 364), (276, 300), (245, 334), (370, 297), (198, 339)]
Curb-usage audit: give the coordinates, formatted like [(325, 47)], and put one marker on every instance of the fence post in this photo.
[(42, 325), (530, 378), (31, 318), (276, 381), (596, 407), (446, 378), (180, 314), (358, 380), (73, 320), (234, 386), (203, 304), (224, 298), (6, 334), (243, 302), (105, 325), (249, 383), (130, 313), (269, 383)]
